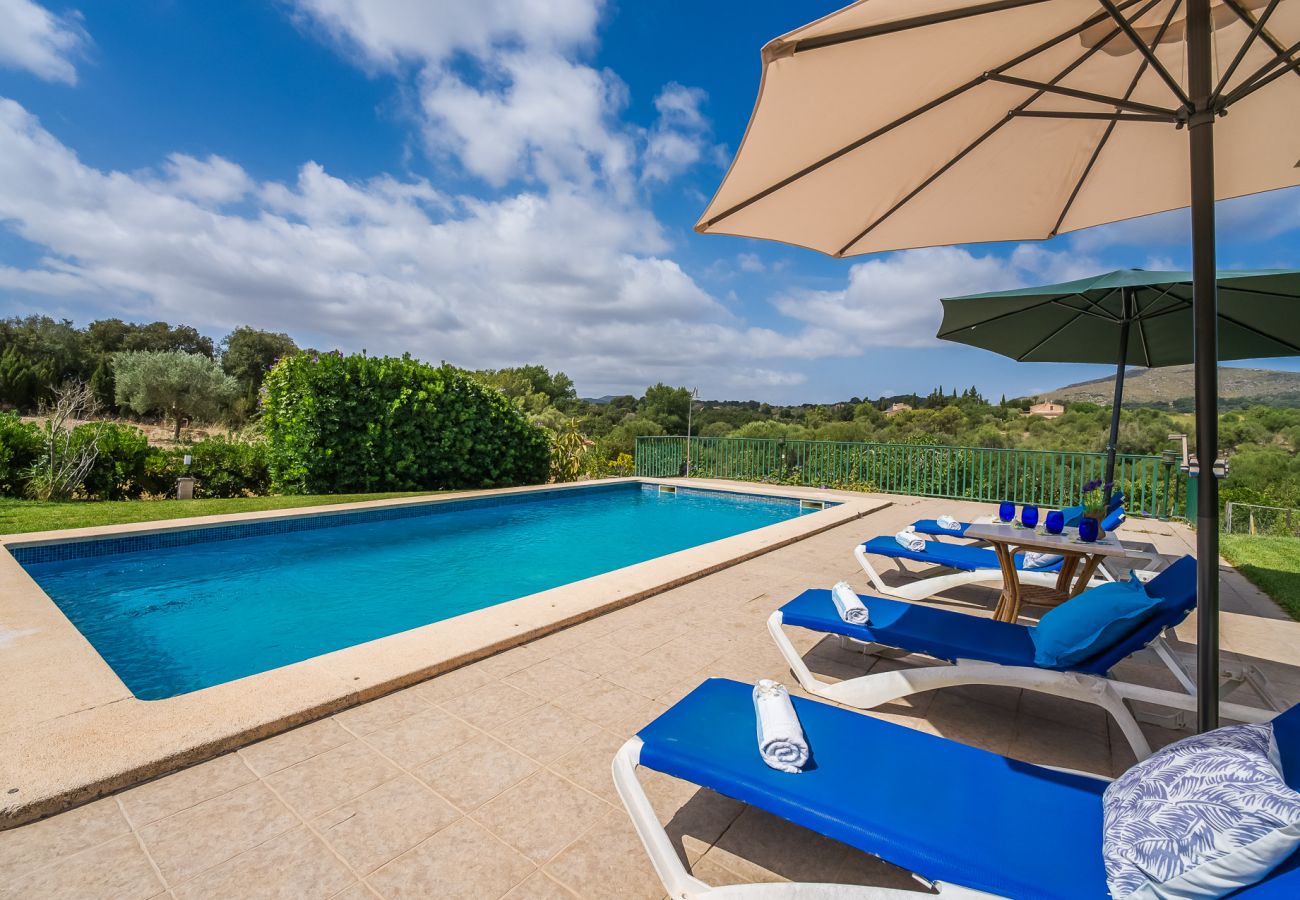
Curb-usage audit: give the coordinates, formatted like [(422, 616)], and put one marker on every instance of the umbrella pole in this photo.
[(1205, 317), (1113, 444)]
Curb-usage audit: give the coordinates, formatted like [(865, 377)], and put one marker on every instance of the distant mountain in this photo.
[(600, 401), (1172, 387)]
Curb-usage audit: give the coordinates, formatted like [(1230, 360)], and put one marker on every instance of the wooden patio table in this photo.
[(1009, 539)]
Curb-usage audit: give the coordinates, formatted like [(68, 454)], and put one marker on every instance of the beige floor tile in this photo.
[(588, 764), (117, 869), (357, 891), (610, 706), (384, 823), (323, 782), (454, 683), (541, 815), (195, 839), (40, 843), (644, 638), (461, 862), (383, 712), (161, 798), (860, 868), (510, 661), (292, 747), (760, 847), (539, 887), (596, 657), (1050, 743), (694, 817), (289, 867), (608, 861), (546, 733), (421, 737), (548, 678), (969, 722), (476, 772), (647, 675), (492, 704)]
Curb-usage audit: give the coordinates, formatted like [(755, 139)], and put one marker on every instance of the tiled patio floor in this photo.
[(493, 780)]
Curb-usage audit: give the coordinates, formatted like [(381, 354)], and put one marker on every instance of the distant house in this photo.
[(898, 408), (1048, 410)]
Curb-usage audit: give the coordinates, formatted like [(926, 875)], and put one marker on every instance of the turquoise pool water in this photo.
[(222, 603)]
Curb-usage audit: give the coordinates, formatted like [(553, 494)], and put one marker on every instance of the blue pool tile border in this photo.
[(86, 548)]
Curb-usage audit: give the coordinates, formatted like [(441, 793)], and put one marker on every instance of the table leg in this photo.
[(1008, 608), (1069, 563), (1089, 570)]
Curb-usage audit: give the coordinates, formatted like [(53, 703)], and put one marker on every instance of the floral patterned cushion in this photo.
[(1200, 818)]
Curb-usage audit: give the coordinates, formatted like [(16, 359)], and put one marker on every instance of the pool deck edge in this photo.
[(72, 732)]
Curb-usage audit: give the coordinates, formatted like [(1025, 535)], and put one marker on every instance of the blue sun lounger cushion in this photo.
[(1084, 625), (1200, 818)]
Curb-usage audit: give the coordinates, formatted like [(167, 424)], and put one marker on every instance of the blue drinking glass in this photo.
[(1029, 515), (1088, 529), (1055, 522), (1006, 511)]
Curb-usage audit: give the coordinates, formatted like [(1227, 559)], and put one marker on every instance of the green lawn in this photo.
[(1271, 563), (17, 516)]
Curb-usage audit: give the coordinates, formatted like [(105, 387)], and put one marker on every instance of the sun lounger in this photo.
[(985, 651), (973, 565), (968, 823)]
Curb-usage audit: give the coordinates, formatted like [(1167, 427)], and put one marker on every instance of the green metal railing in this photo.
[(1153, 484)]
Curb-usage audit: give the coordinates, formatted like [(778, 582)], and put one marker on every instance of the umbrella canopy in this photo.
[(1083, 321), (907, 123), (1129, 318)]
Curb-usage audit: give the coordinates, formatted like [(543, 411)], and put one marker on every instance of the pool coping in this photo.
[(71, 731)]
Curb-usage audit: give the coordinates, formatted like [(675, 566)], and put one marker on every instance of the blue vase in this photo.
[(1006, 511), (1055, 523), (1088, 529), (1029, 516)]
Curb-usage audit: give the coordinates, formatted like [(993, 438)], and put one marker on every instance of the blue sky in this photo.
[(489, 183)]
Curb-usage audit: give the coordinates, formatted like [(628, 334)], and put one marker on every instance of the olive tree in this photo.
[(175, 384)]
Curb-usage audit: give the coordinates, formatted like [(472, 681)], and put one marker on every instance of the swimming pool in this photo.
[(175, 611)]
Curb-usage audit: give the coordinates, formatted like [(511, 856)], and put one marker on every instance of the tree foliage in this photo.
[(176, 384), (360, 423)]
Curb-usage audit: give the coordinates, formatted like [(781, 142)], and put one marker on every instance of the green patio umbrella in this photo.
[(1130, 318)]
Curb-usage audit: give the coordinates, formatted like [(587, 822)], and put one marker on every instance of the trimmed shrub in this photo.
[(223, 467), (340, 424), (119, 471), (20, 445)]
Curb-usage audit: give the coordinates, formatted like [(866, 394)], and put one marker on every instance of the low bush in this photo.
[(120, 470), (20, 445), (361, 423)]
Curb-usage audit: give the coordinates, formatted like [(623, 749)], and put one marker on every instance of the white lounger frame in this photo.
[(873, 690)]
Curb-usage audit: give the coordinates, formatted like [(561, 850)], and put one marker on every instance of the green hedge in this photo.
[(361, 423), (20, 445)]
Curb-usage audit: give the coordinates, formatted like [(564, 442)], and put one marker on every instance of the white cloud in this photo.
[(750, 262), (565, 277), (679, 137), (34, 39), (1257, 217), (893, 301)]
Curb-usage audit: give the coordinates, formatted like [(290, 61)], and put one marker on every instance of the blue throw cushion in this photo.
[(1091, 623), (1072, 515), (1200, 818)]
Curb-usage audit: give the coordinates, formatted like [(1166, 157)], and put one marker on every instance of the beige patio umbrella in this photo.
[(907, 123)]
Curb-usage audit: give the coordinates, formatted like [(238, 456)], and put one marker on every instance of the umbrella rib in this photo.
[(992, 130), (1127, 27), (1256, 291), (1104, 316), (1115, 117), (1055, 332), (1273, 43), (1264, 334), (1121, 103), (1110, 129), (907, 117), (1097, 309), (1258, 26), (1259, 79), (989, 321), (1142, 336), (802, 45)]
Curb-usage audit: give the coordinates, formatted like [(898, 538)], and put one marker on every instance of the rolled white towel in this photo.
[(781, 740), (848, 604), (1036, 560), (910, 539), (948, 523)]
